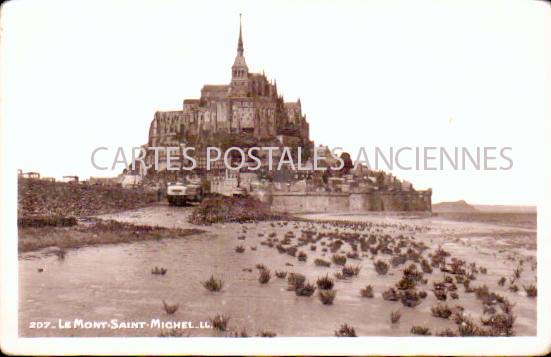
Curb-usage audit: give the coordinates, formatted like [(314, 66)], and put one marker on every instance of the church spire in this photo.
[(240, 71), (239, 64), (240, 49)]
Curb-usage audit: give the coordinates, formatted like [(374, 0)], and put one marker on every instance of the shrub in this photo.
[(447, 332), (170, 309), (502, 281), (213, 284), (242, 333), (302, 257), (395, 316), (292, 251), (339, 275), (506, 306), (531, 290), (405, 283), (422, 294), (410, 298), (220, 322), (454, 295), (306, 290), (367, 292), (500, 324), (60, 253), (425, 266), (350, 271), (325, 283), (381, 267), (336, 245), (338, 259), (322, 263), (345, 331), (412, 273), (295, 280), (170, 333), (372, 239), (420, 330), (467, 285), (440, 294), (158, 271), (482, 292), (260, 266), (441, 310), (240, 249), (391, 295), (459, 317), (281, 274), (517, 272), (440, 252), (398, 260), (488, 309), (264, 277), (327, 296), (266, 333), (468, 328)]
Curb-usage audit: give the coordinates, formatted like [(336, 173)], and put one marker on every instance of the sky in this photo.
[(77, 75)]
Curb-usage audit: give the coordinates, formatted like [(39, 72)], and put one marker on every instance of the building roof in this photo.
[(163, 113), (191, 101), (215, 86), (240, 61)]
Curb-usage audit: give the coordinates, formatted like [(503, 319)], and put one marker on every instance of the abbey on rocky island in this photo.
[(249, 104)]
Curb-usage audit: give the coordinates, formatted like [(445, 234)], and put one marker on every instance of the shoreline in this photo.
[(100, 232), (120, 227)]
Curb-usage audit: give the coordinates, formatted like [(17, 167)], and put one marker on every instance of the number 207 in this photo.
[(39, 324)]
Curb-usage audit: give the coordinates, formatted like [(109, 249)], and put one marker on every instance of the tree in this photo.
[(348, 164)]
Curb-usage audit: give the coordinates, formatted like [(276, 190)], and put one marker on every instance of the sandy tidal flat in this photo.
[(102, 283)]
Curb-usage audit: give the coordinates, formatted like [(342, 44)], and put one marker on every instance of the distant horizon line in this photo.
[(534, 205)]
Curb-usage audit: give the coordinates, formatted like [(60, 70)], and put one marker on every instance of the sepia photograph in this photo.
[(187, 177)]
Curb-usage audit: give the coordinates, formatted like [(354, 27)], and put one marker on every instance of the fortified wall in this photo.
[(314, 202), (299, 197)]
